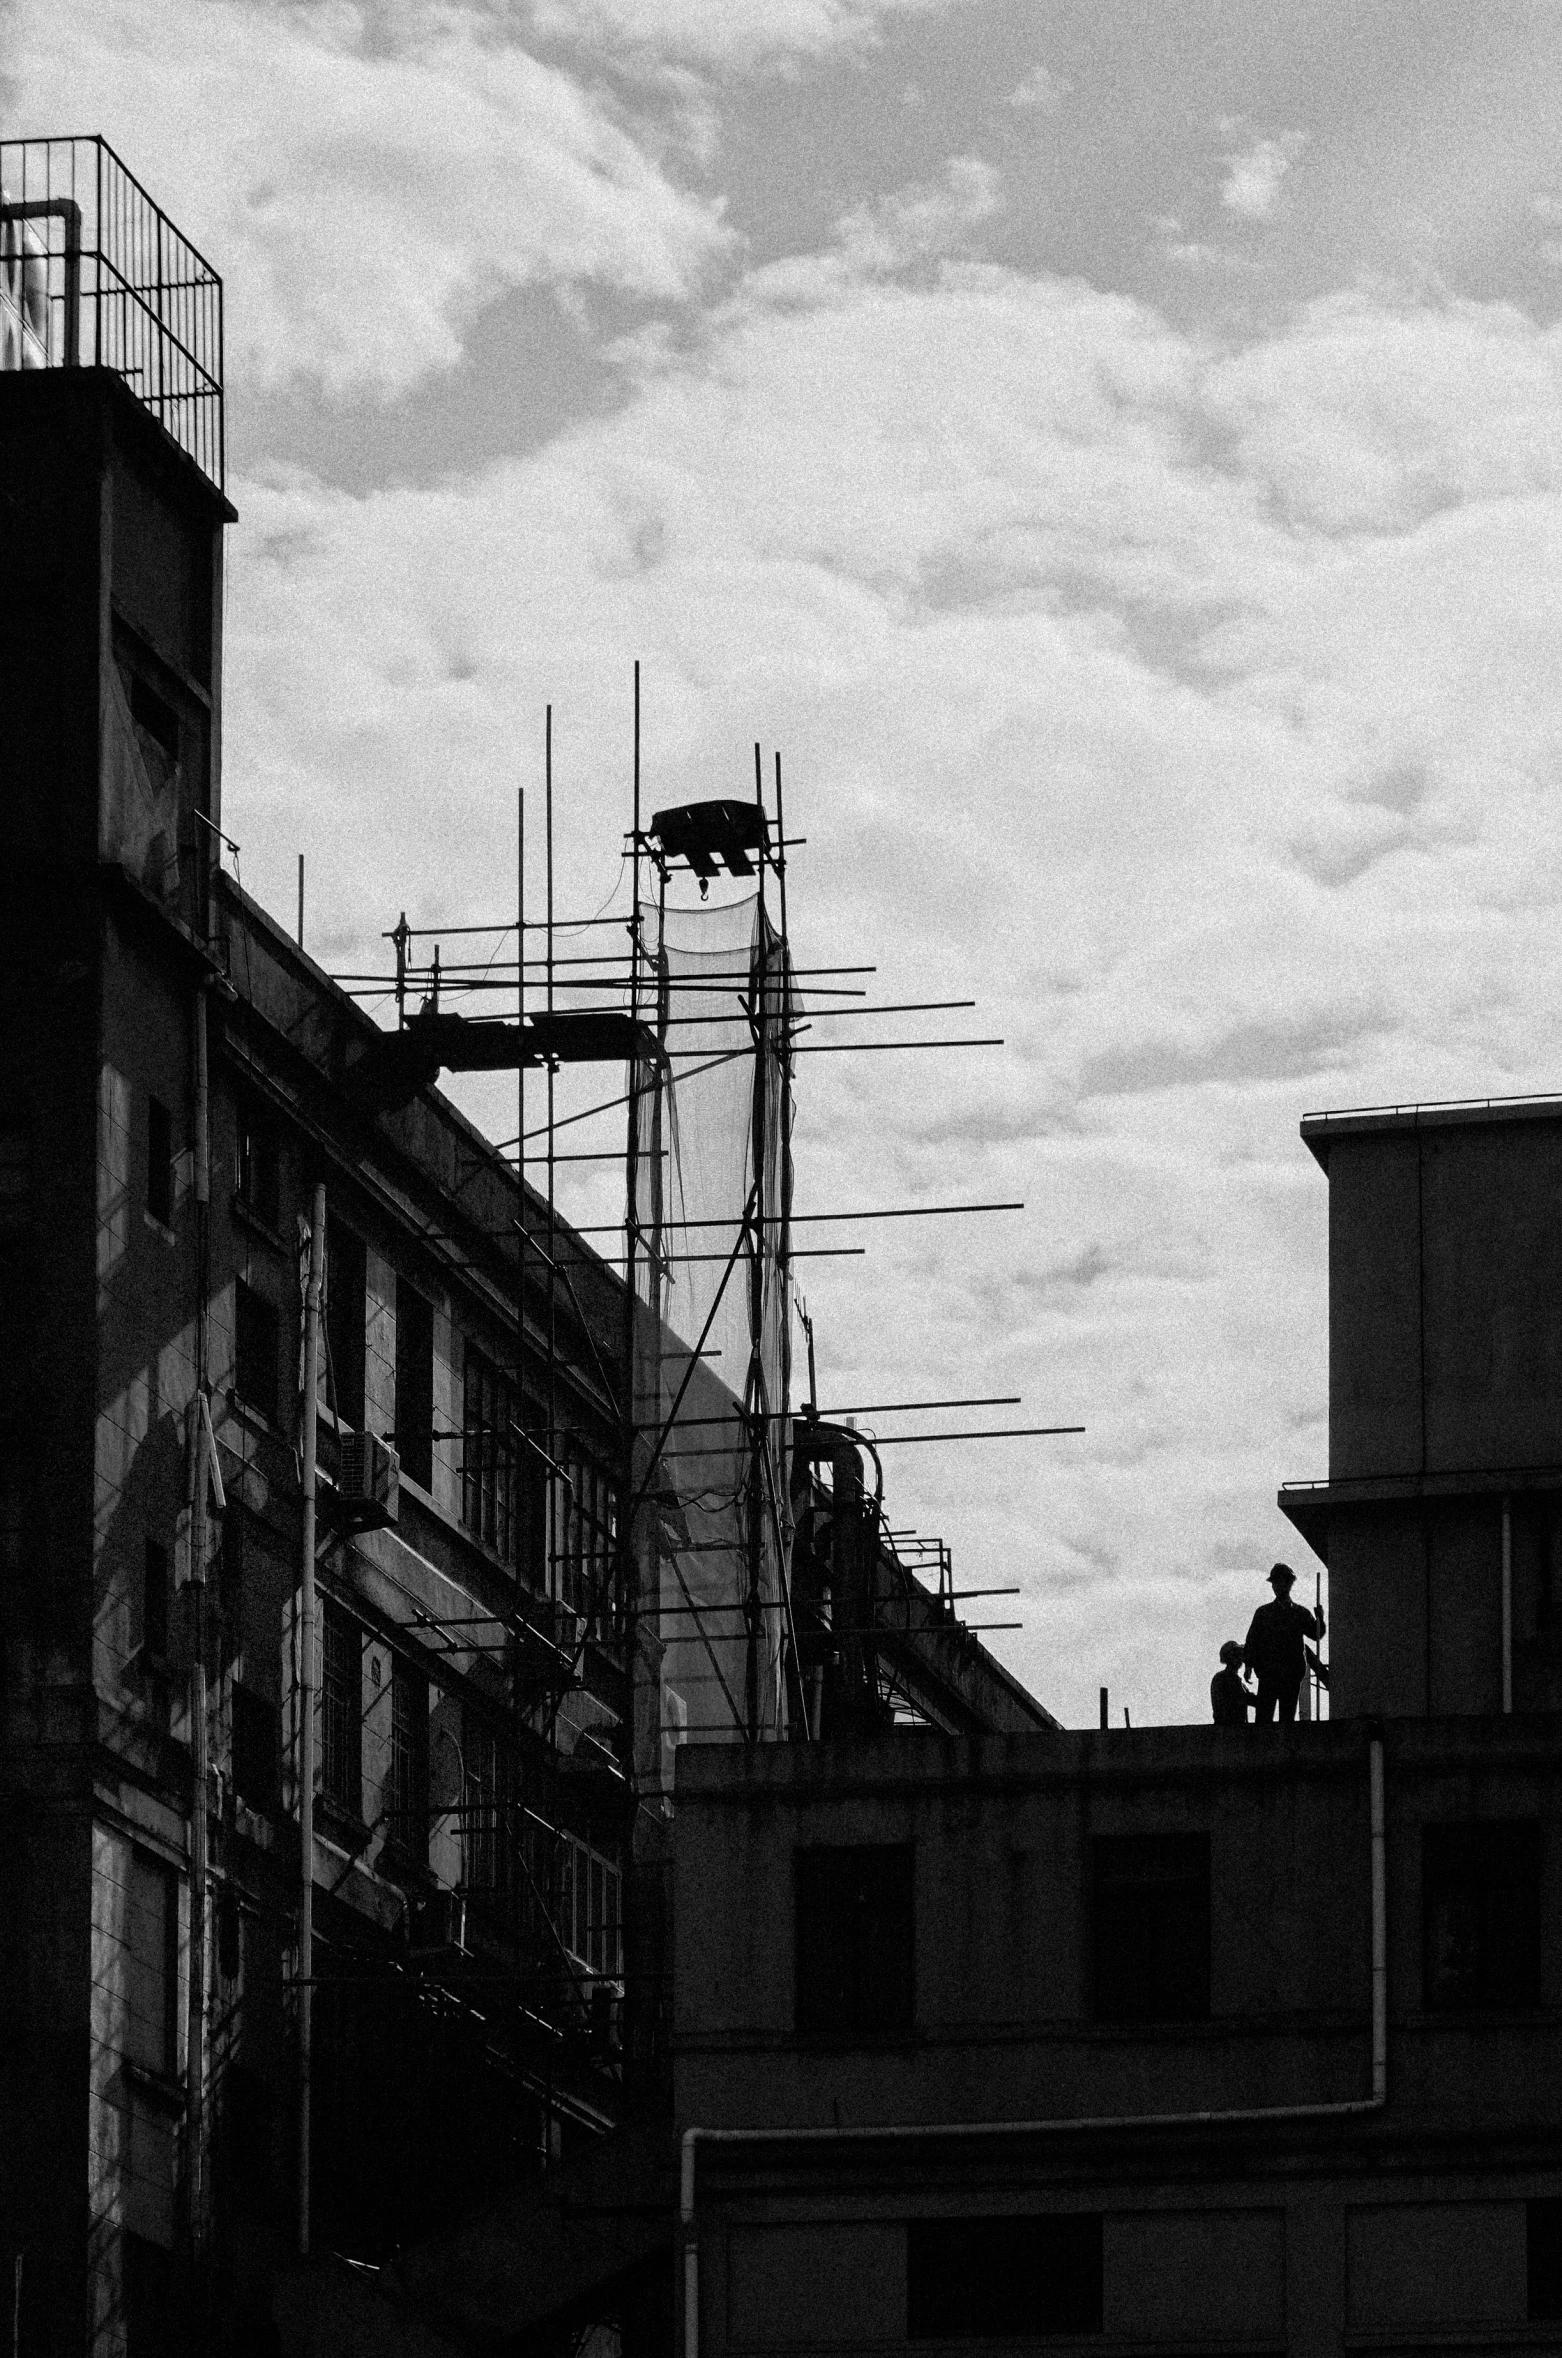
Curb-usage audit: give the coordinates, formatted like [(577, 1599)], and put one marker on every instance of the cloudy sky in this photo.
[(1110, 446)]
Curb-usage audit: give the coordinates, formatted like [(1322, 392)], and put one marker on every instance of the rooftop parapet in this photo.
[(93, 274)]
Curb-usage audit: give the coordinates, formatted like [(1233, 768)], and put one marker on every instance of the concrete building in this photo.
[(1190, 2039), (1441, 1519), (178, 1083)]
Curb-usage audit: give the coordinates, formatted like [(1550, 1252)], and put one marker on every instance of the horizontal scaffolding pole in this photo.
[(796, 1219)]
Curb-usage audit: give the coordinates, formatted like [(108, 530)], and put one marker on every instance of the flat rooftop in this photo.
[(1356, 1121)]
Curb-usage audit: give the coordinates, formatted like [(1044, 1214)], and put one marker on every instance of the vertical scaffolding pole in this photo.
[(627, 1573), (306, 1711), (754, 1400)]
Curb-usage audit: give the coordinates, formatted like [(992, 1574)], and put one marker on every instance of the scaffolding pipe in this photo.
[(202, 1456), (943, 2132), (1507, 1604), (306, 1711)]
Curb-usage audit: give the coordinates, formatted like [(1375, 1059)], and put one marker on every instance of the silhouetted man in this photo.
[(1229, 1699), (1276, 1648)]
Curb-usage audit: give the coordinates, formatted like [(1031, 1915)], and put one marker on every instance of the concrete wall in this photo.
[(1406, 2229), (1445, 1272)]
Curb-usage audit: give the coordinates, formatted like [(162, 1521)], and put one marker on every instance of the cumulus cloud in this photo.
[(727, 33), (369, 178), (1251, 188), (1193, 707), (1041, 89)]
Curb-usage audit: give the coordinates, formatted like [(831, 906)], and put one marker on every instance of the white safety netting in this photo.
[(713, 1197)]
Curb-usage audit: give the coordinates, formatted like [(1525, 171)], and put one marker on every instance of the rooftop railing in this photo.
[(93, 274)]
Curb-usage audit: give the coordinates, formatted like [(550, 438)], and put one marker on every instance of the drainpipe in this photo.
[(203, 1469), (306, 1709), (1507, 1604), (901, 2132)]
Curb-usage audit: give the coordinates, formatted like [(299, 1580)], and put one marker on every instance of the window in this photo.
[(256, 1347), (1480, 1900), (257, 1179), (148, 2297), (408, 1795), (1151, 1923), (159, 1162), (1543, 2225), (345, 1322), (13, 1504), (999, 2279), (587, 1542), (414, 1384), (156, 1585), (486, 1811), (590, 1908), (341, 1712), (257, 1745), (489, 1475), (152, 1965), (157, 729), (15, 1178), (855, 1940)]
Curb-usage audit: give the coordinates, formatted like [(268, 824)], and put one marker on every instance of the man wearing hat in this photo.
[(1276, 1648), (1229, 1700)]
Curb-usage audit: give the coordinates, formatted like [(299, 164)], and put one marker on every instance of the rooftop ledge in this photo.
[(1320, 1129)]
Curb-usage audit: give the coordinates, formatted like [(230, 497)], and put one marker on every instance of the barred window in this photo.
[(590, 1908), (341, 1712), (488, 1456), (486, 1812), (409, 1759), (587, 1540)]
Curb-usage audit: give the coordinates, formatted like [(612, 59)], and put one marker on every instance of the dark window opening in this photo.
[(156, 1588), (486, 1812), (13, 1504), (346, 1316), (1001, 2279), (15, 1177), (258, 1176), (257, 1343), (586, 1543), (152, 1965), (503, 1496), (1480, 1898), (341, 1712), (155, 720), (1151, 1925), (1543, 2227), (408, 1795), (855, 1941), (159, 1162), (148, 2297), (230, 1575), (257, 1749), (414, 1384)]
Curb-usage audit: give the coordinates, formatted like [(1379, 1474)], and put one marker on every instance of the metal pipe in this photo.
[(1507, 1604), (202, 1455), (306, 1711), (942, 2132)]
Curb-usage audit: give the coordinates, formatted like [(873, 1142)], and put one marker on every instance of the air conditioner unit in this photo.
[(367, 1483)]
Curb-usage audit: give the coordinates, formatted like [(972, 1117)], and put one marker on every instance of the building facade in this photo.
[(181, 1095), (1190, 2039)]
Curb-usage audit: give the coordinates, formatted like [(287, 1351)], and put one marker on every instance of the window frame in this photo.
[(341, 1710), (258, 1351), (1134, 1989), (159, 1174), (406, 1776), (1507, 1972), (852, 1903), (414, 1384)]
